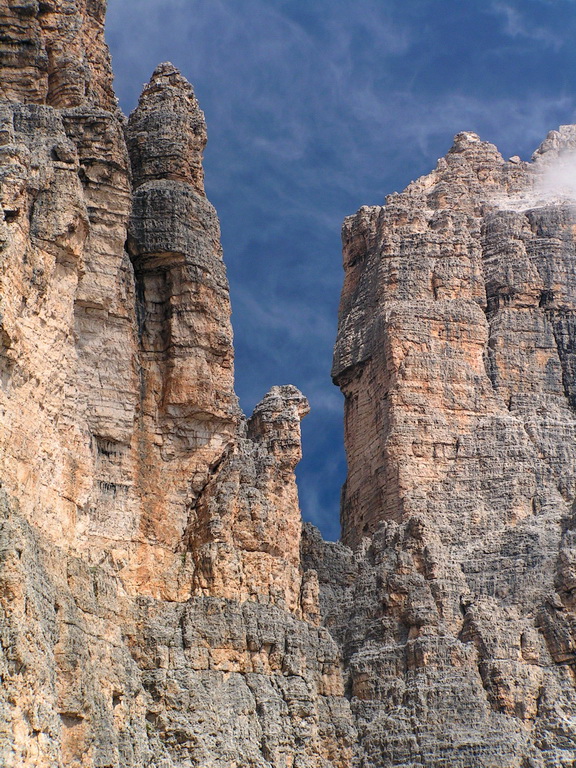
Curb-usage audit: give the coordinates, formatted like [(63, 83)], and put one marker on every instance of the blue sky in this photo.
[(314, 108)]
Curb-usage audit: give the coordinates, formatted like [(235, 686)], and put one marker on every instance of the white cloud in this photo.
[(558, 179), (517, 26)]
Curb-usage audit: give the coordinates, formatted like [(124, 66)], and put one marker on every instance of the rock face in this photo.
[(154, 611), (160, 605), (54, 53), (455, 353)]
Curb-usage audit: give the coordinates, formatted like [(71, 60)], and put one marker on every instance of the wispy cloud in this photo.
[(517, 25), (559, 177), (552, 180)]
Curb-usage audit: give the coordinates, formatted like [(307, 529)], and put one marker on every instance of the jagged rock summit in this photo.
[(455, 353), (167, 132), (161, 605)]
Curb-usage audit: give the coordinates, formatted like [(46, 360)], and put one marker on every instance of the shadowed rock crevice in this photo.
[(564, 326)]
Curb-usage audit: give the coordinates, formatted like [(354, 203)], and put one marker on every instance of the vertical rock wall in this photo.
[(455, 355), (153, 610)]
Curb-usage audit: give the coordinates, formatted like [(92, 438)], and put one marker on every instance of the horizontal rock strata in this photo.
[(455, 354)]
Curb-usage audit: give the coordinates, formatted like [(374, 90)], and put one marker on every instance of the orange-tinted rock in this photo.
[(154, 610), (244, 533), (54, 53)]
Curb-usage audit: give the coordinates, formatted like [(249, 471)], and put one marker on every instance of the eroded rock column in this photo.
[(455, 356)]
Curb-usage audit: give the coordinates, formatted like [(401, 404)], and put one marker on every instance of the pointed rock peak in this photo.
[(469, 145), (165, 78), (466, 141), (167, 131), (283, 402), (558, 142), (166, 68), (466, 137), (276, 423)]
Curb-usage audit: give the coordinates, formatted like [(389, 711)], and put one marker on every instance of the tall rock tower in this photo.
[(456, 355), (153, 610)]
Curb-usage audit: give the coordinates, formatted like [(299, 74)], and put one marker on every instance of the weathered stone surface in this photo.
[(167, 133), (159, 605), (456, 356), (244, 532), (135, 411), (153, 609), (189, 412), (53, 53), (92, 677)]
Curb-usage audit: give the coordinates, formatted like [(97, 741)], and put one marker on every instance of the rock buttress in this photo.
[(455, 354), (153, 610)]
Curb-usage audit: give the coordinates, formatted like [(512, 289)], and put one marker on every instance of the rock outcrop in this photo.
[(154, 611), (455, 354), (160, 605)]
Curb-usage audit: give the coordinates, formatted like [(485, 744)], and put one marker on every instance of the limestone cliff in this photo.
[(159, 605), (455, 354), (153, 607)]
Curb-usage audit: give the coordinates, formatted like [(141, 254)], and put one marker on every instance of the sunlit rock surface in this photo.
[(154, 611), (160, 605)]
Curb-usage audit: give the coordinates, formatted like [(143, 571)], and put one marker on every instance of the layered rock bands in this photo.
[(455, 353), (160, 604)]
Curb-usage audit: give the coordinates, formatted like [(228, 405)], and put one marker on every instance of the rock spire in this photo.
[(160, 602), (154, 610)]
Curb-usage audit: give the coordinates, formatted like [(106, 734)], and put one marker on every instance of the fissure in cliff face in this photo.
[(159, 605)]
